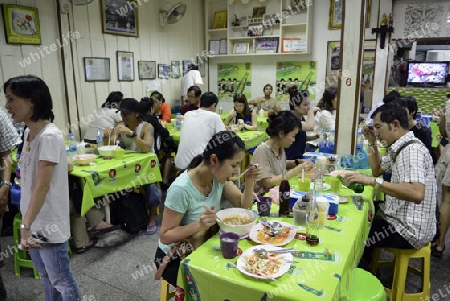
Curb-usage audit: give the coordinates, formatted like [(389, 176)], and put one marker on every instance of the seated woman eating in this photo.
[(205, 181), (242, 116), (137, 135), (270, 154)]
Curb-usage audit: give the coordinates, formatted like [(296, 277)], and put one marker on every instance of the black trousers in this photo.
[(381, 234), (171, 271)]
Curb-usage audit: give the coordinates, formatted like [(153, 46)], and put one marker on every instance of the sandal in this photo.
[(88, 247), (436, 253), (106, 230), (151, 232)]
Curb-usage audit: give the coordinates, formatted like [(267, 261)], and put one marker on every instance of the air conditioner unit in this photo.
[(438, 55)]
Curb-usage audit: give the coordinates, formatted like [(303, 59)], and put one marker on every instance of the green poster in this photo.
[(234, 78), (300, 74)]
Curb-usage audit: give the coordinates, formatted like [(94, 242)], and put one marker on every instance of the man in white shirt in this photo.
[(191, 78), (198, 128)]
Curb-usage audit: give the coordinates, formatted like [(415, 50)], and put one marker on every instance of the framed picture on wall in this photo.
[(21, 24), (220, 20), (335, 17), (175, 69), (96, 69), (201, 65), (125, 66), (120, 17), (163, 71), (186, 64), (147, 69)]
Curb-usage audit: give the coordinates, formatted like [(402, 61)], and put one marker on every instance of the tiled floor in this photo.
[(125, 273)]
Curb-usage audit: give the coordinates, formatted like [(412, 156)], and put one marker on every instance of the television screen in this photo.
[(427, 72)]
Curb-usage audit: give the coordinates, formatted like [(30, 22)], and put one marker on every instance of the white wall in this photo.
[(177, 42), (263, 67)]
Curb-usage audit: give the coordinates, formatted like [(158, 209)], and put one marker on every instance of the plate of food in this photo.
[(264, 265), (262, 233), (341, 173)]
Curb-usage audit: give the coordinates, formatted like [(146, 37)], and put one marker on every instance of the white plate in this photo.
[(325, 186), (286, 258), (254, 234), (341, 173)]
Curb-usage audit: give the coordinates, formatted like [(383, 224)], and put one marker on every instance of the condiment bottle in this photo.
[(284, 196)]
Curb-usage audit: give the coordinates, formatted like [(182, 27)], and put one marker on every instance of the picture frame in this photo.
[(220, 20), (163, 71), (258, 12), (120, 17), (335, 17), (301, 3), (147, 69), (175, 69), (21, 24), (186, 64), (223, 46), (125, 66), (96, 69), (241, 48), (266, 45), (214, 46)]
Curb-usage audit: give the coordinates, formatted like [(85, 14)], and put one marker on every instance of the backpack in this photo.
[(130, 211)]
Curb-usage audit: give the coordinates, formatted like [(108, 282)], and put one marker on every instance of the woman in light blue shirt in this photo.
[(206, 180)]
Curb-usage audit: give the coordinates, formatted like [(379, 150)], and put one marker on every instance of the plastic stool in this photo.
[(21, 258), (401, 268), (365, 287), (166, 294)]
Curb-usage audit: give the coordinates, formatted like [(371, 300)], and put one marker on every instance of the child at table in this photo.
[(205, 181), (270, 154), (242, 115)]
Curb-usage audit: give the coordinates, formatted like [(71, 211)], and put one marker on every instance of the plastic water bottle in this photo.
[(330, 143), (72, 145), (362, 158), (322, 144), (318, 181), (178, 122)]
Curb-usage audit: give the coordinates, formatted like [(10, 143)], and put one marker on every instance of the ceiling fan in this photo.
[(172, 13)]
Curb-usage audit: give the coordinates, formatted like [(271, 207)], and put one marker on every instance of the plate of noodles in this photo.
[(266, 265)]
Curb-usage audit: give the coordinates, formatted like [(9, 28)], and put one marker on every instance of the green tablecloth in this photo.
[(435, 134), (323, 272), (262, 121), (110, 176), (250, 138)]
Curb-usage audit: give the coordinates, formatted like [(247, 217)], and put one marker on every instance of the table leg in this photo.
[(107, 213)]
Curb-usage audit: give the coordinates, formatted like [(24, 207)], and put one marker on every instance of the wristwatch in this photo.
[(6, 183), (378, 182), (23, 226), (134, 134)]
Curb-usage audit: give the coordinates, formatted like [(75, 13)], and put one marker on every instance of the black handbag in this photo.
[(130, 211)]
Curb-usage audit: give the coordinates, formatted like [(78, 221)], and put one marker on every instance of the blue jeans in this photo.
[(52, 263)]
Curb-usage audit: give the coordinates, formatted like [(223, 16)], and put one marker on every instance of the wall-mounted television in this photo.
[(427, 73)]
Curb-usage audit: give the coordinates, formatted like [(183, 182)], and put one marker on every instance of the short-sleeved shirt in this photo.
[(271, 165), (297, 149), (415, 222), (183, 197), (8, 134), (198, 128), (47, 146), (192, 78)]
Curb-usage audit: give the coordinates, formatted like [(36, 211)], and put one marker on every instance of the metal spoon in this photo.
[(280, 251), (243, 173)]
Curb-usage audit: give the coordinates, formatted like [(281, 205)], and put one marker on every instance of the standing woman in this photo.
[(44, 200), (242, 115)]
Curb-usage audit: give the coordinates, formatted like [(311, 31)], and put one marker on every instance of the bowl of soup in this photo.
[(236, 220)]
